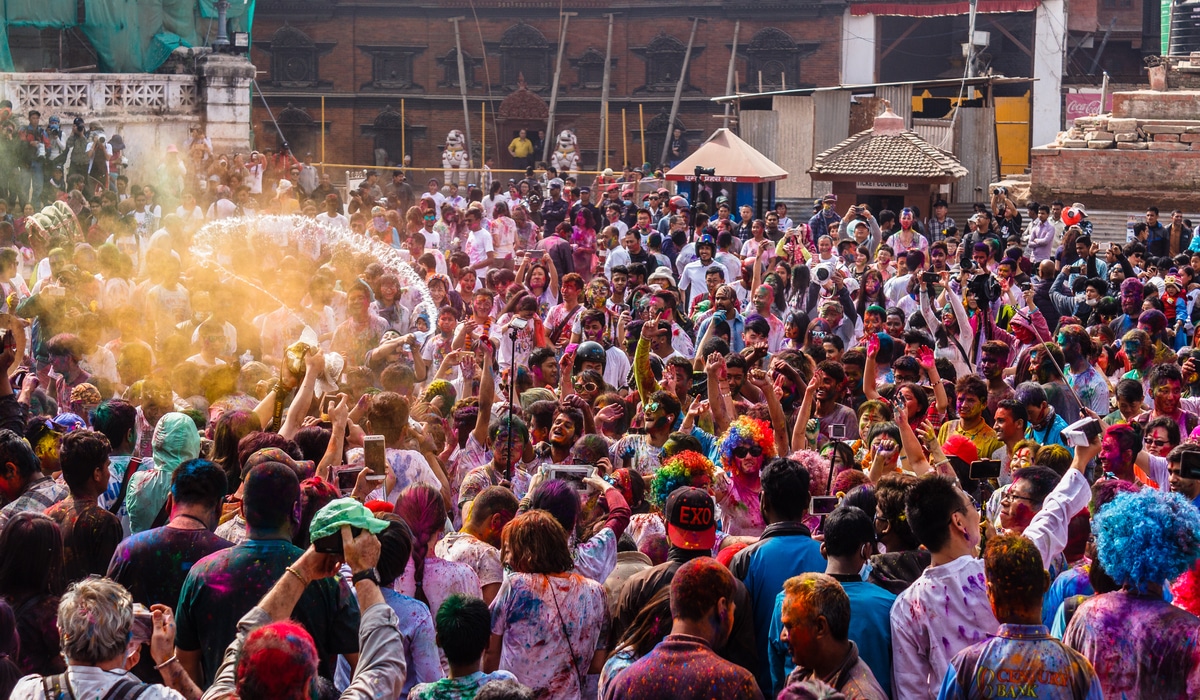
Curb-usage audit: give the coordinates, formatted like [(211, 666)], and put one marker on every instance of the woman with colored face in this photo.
[(744, 448), (907, 238)]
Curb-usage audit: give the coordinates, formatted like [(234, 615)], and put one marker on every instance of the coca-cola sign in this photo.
[(1086, 104)]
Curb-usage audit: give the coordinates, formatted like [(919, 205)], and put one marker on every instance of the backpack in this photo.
[(57, 687)]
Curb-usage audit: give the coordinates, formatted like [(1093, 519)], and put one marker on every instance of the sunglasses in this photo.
[(590, 387), (1151, 442), (753, 451)]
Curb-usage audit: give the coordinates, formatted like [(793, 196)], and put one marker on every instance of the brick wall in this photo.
[(1110, 178), (344, 69)]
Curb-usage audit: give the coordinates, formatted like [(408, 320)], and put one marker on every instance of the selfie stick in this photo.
[(512, 389)]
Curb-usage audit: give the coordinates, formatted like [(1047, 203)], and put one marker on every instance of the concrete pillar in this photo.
[(858, 49), (225, 100), (1049, 54)]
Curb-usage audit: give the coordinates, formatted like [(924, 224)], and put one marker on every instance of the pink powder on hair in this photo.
[(277, 660)]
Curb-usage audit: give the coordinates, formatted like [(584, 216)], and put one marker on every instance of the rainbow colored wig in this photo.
[(443, 388), (1147, 537), (745, 432), (683, 469)]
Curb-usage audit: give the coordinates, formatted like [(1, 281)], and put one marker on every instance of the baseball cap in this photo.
[(691, 519), (961, 446), (69, 422), (830, 198), (344, 511)]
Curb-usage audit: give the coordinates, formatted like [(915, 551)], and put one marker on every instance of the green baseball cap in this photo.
[(344, 511)]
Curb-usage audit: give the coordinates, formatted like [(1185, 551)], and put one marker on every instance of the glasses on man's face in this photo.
[(589, 387), (1009, 496), (753, 451), (1151, 442)]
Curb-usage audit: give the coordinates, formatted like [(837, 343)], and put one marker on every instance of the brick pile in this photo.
[(1129, 134)]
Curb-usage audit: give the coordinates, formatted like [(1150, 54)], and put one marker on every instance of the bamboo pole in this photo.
[(322, 133), (564, 20), (402, 144), (602, 157), (462, 85), (737, 26), (624, 138), (642, 131), (687, 57)]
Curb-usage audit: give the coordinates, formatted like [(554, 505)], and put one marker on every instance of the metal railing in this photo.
[(351, 175)]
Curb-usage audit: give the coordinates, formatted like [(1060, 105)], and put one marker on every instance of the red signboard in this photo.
[(1086, 104)]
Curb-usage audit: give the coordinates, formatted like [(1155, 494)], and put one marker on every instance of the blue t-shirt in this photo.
[(1072, 582), (764, 566)]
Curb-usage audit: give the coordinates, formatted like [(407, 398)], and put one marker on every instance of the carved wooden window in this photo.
[(294, 58), (664, 62), (392, 69), (656, 133), (524, 51), (388, 128), (774, 54), (299, 130), (591, 70), (449, 64)]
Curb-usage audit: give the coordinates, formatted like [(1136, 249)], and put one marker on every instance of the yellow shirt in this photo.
[(520, 148), (984, 437)]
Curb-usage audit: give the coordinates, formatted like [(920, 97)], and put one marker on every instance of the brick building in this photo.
[(367, 56)]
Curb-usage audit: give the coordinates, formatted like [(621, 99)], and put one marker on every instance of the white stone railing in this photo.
[(99, 94)]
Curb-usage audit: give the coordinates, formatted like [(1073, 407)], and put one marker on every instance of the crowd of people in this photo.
[(616, 445)]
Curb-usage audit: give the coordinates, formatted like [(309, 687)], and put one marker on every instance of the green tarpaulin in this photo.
[(130, 36)]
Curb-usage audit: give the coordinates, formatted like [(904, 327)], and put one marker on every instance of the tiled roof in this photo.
[(903, 155)]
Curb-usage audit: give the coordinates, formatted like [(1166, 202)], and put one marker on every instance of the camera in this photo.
[(823, 273), (837, 432), (1189, 465), (518, 323), (985, 469), (984, 287), (930, 277), (824, 505), (1000, 191), (1081, 432)]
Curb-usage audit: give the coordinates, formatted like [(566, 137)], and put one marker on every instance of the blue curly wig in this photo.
[(1147, 537)]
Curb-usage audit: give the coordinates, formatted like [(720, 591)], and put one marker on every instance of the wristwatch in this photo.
[(366, 575)]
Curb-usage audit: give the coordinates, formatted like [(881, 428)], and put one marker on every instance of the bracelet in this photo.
[(168, 662), (299, 577)]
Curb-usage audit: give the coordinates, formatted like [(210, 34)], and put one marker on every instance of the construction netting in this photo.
[(129, 36)]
